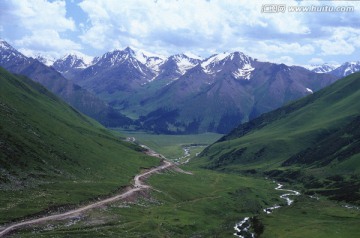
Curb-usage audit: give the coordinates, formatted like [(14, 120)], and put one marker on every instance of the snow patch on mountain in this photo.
[(244, 72), (213, 60), (48, 61), (193, 56), (184, 64), (9, 54), (154, 63), (351, 67), (346, 68), (309, 90), (323, 68), (4, 45)]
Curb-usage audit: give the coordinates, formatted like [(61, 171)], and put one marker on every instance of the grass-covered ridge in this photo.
[(314, 140), (52, 155)]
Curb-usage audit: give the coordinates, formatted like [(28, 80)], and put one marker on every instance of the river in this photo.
[(242, 228)]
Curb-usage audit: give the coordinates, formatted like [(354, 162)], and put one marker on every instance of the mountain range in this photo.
[(187, 94), (78, 97), (184, 93)]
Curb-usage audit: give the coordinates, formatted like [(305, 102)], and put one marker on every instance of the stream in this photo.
[(243, 227), (187, 154)]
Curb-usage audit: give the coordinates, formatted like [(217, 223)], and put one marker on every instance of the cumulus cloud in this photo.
[(47, 41), (33, 14), (284, 60), (40, 25), (316, 61), (203, 27), (342, 41), (181, 24)]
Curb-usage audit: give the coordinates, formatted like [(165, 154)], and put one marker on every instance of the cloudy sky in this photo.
[(203, 27)]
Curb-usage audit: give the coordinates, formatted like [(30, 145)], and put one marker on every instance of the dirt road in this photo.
[(138, 185)]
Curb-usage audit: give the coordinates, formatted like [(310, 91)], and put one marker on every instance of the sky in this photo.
[(268, 30)]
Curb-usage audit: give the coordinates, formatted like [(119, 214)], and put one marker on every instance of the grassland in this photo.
[(171, 146), (309, 217), (207, 204), (52, 157)]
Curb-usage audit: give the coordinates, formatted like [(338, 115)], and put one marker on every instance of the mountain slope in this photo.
[(48, 147), (315, 140), (73, 94), (115, 75)]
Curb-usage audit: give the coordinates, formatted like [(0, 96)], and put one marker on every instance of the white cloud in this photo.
[(316, 61), (284, 60), (342, 41), (280, 48), (168, 27), (180, 25), (40, 14), (47, 41), (335, 47), (41, 25)]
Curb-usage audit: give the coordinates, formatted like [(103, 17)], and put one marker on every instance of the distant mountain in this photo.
[(48, 147), (116, 74), (314, 141), (323, 68), (176, 66), (48, 61), (76, 96), (339, 71), (70, 64), (225, 90), (187, 94), (346, 69)]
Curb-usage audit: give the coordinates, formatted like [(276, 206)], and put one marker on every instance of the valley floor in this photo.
[(206, 203)]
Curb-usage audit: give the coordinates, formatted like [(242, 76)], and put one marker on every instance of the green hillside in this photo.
[(315, 141), (52, 156)]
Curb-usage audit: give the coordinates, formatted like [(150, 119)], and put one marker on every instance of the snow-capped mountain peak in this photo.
[(346, 69), (184, 62), (5, 46), (9, 54), (240, 67), (46, 60), (72, 61), (322, 68), (129, 51), (193, 56), (214, 59), (150, 60)]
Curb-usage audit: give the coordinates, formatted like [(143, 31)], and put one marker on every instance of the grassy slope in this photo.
[(315, 140), (52, 155), (274, 137)]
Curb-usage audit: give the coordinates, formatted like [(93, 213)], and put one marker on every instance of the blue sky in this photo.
[(203, 27)]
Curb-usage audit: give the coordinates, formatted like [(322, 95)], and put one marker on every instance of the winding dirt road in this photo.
[(138, 185)]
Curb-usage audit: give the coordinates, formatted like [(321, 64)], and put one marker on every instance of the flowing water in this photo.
[(243, 227)]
